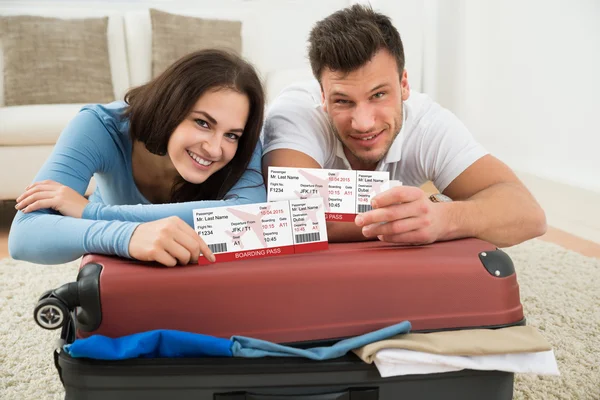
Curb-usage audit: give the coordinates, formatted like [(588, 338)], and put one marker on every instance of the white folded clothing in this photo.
[(394, 362)]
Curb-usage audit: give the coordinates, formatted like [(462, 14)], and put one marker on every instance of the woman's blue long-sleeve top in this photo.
[(97, 143)]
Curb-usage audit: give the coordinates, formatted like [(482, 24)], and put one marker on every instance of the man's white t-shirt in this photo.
[(433, 143)]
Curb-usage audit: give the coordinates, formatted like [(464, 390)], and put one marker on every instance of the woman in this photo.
[(188, 139)]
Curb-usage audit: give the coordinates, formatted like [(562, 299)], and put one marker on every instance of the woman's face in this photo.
[(208, 137)]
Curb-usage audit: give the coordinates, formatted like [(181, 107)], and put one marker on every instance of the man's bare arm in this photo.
[(490, 203), (493, 204), (336, 231)]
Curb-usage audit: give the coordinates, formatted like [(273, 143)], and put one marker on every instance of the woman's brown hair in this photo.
[(155, 109)]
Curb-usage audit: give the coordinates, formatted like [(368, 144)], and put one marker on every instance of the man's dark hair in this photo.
[(158, 107), (347, 39)]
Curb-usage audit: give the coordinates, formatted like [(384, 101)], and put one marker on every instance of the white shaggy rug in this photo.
[(560, 291)]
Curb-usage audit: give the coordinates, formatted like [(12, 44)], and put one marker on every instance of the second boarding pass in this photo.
[(345, 193)]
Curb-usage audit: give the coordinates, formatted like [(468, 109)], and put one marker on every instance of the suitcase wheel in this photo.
[(50, 313)]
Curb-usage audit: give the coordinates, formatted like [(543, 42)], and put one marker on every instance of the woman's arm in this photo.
[(249, 189), (44, 236)]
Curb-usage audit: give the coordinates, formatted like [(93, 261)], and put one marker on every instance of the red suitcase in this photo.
[(347, 290)]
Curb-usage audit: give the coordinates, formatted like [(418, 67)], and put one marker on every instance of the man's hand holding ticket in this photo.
[(405, 215), (384, 209)]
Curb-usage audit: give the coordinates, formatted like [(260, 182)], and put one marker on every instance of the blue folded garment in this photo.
[(168, 343), (152, 344), (253, 348)]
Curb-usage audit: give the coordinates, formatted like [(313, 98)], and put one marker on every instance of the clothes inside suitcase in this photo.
[(452, 285)]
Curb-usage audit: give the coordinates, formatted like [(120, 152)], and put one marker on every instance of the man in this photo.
[(361, 114)]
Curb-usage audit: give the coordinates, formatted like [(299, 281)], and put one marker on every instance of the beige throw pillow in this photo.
[(55, 61), (174, 36)]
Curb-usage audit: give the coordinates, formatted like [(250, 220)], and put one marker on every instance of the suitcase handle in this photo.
[(348, 394)]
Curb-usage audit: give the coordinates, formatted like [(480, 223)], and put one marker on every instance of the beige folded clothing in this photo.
[(468, 342)]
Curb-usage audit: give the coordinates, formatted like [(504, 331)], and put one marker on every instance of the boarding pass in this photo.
[(345, 193), (262, 229)]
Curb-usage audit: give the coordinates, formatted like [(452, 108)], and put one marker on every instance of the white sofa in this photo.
[(274, 39)]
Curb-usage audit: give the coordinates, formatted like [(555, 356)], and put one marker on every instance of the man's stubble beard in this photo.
[(398, 121)]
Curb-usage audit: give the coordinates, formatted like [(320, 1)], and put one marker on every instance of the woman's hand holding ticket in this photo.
[(403, 214), (168, 241)]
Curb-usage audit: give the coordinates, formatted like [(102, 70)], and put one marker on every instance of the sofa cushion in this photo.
[(174, 36), (35, 124), (54, 61), (24, 162)]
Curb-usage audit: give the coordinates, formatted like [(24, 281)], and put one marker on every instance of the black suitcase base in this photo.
[(345, 378)]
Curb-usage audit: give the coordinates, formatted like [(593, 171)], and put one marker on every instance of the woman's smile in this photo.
[(199, 161)]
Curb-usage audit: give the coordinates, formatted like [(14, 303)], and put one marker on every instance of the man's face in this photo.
[(365, 107)]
